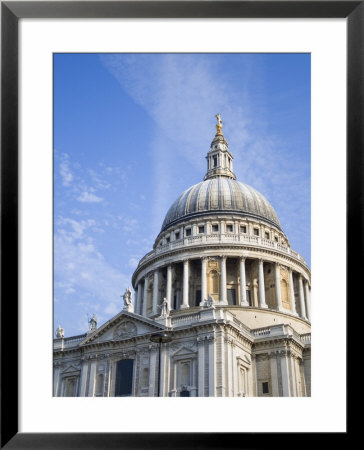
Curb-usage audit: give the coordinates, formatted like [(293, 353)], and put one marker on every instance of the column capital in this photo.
[(242, 258), (223, 256)]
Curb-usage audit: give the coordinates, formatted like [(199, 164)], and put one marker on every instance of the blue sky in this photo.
[(131, 132)]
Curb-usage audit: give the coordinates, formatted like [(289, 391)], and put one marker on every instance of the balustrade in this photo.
[(217, 238)]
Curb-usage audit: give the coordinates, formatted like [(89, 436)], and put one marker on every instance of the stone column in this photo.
[(84, 374), (223, 297), (274, 374), (307, 295), (243, 300), (302, 377), (145, 295), (291, 292), (56, 376), (162, 377), (203, 279), (277, 281), (153, 351), (91, 390), (230, 365), (285, 374), (302, 298), (211, 372), (169, 285), (201, 366), (293, 377), (186, 271), (155, 292), (138, 306), (261, 287)]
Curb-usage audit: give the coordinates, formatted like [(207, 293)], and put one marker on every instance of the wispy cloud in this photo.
[(182, 94), (82, 268), (65, 171), (87, 197)]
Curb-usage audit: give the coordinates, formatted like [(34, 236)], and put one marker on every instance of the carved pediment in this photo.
[(123, 326), (125, 330)]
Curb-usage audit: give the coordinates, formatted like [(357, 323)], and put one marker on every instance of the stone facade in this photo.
[(223, 283)]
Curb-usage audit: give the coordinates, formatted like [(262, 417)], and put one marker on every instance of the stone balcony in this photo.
[(228, 238), (280, 330), (67, 343)]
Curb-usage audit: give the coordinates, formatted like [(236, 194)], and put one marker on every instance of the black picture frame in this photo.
[(11, 12)]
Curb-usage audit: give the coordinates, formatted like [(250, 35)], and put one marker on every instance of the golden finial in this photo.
[(219, 124)]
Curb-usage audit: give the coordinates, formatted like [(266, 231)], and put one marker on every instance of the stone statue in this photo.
[(93, 323), (209, 303), (127, 297), (219, 124), (59, 332), (164, 307)]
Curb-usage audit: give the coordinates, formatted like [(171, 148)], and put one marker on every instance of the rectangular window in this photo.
[(229, 228), (275, 238), (201, 229), (231, 296), (242, 229), (188, 232), (266, 235), (176, 235), (256, 231), (124, 378), (215, 161), (265, 387), (168, 239), (70, 387), (215, 228)]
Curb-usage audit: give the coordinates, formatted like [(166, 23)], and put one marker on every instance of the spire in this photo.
[(219, 158)]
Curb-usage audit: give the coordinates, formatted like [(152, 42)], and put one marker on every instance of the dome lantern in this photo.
[(219, 158)]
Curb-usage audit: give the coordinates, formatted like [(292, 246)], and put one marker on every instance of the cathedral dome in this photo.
[(220, 194)]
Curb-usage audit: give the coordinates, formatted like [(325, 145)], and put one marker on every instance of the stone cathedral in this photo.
[(221, 305)]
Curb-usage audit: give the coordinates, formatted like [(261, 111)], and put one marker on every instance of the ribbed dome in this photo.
[(220, 195)]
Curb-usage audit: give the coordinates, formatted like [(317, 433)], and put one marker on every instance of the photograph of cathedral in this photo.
[(220, 306)]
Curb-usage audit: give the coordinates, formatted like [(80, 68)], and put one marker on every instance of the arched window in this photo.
[(285, 294)]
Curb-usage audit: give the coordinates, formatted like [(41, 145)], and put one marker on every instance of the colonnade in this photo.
[(302, 287)]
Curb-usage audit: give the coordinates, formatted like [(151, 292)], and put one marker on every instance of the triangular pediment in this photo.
[(123, 326), (183, 351), (71, 369)]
